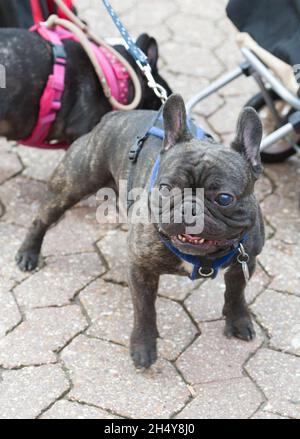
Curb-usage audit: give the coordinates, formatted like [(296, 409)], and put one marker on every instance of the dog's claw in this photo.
[(27, 260), (241, 328), (143, 354)]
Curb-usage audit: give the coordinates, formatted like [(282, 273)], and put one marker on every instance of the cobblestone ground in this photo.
[(65, 328)]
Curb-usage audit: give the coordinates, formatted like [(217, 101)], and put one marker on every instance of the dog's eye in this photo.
[(164, 190), (224, 200)]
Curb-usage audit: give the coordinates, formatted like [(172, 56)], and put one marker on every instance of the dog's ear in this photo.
[(150, 48), (175, 122), (248, 139)]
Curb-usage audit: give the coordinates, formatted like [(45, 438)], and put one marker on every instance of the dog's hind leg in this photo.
[(71, 182), (238, 318)]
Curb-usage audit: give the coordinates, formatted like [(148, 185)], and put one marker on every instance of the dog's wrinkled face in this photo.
[(227, 177)]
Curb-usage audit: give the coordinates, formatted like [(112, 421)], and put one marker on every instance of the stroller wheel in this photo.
[(283, 149)]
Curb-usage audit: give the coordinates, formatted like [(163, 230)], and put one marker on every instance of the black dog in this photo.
[(231, 211), (27, 59)]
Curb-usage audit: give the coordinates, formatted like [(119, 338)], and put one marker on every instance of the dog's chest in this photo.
[(186, 268)]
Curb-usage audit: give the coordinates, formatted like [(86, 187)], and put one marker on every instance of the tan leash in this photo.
[(84, 35)]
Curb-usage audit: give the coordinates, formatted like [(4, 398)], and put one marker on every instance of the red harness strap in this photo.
[(54, 10), (37, 12), (50, 102)]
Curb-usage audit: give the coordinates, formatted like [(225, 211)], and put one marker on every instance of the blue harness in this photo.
[(199, 269)]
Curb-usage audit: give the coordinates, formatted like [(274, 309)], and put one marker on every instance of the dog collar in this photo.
[(200, 269)]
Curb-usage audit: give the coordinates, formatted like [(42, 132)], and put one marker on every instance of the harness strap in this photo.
[(115, 73), (201, 269), (50, 102)]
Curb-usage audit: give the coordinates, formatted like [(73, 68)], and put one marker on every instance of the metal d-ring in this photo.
[(243, 257), (212, 271)]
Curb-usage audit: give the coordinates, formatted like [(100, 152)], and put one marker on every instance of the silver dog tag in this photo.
[(246, 271), (243, 259)]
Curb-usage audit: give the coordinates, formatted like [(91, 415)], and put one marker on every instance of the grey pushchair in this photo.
[(269, 39)]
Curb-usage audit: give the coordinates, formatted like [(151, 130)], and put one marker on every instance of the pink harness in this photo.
[(116, 75)]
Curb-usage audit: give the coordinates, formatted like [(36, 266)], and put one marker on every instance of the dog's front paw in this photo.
[(241, 327), (27, 260), (143, 353)]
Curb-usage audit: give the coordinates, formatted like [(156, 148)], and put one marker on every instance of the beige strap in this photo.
[(84, 35), (283, 70)]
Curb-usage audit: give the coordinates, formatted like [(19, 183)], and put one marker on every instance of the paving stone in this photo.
[(110, 309), (261, 414), (243, 86), (196, 33), (176, 287), (98, 19), (115, 243), (40, 164), (213, 357), (263, 188), (278, 375), (280, 315), (10, 240), (206, 302), (44, 332), (234, 399), (57, 283), (279, 211), (146, 14), (229, 55), (73, 410), (21, 198), (25, 393), (93, 6), (282, 263), (183, 60), (9, 313), (75, 233), (10, 165), (224, 121), (189, 89), (6, 145), (175, 328), (213, 10), (103, 375)]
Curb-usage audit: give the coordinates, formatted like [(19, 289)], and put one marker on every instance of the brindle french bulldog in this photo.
[(100, 159), (27, 59)]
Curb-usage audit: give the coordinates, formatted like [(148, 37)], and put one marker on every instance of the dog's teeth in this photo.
[(183, 239), (202, 241)]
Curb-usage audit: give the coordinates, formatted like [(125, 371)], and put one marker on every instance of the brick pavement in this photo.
[(64, 329)]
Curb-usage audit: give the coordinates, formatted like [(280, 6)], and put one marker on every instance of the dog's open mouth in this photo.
[(194, 240)]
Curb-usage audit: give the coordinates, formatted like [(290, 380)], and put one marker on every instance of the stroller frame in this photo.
[(267, 82)]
